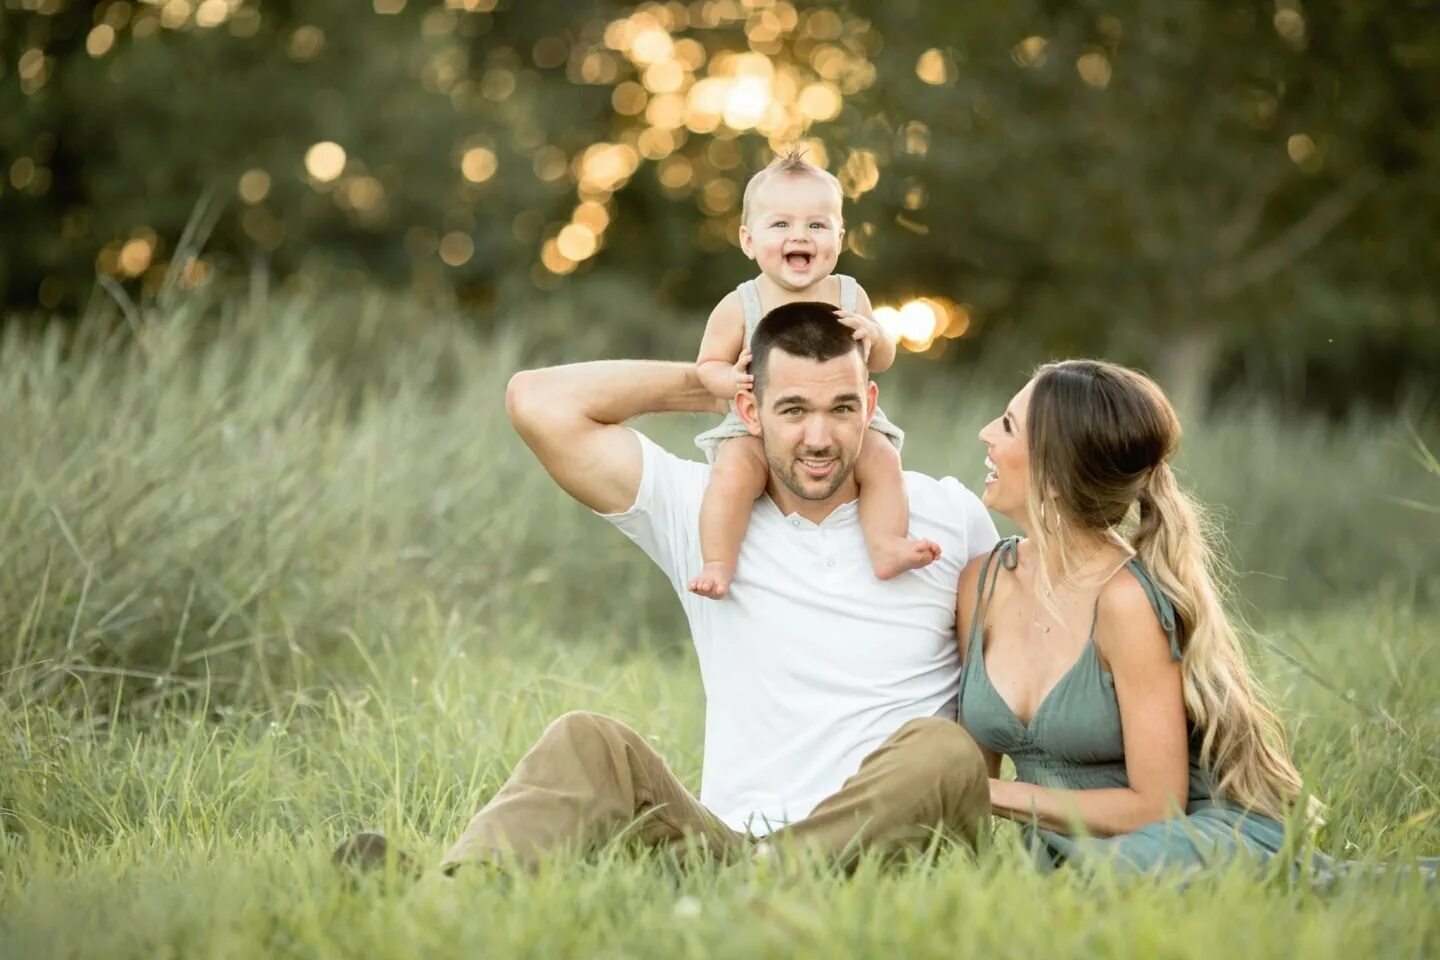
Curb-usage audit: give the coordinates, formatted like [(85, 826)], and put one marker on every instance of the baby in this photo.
[(791, 225)]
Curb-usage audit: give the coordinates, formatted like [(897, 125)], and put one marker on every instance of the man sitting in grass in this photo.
[(830, 695)]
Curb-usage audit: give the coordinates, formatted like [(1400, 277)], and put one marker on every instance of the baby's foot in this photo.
[(897, 554), (713, 581)]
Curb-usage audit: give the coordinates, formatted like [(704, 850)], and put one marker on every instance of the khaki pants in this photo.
[(590, 777)]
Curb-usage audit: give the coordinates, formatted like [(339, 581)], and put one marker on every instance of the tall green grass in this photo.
[(251, 497), (270, 573)]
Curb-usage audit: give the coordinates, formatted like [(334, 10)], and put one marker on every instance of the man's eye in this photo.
[(791, 412), (845, 408)]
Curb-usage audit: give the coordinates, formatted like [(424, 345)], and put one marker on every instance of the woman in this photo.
[(1102, 662)]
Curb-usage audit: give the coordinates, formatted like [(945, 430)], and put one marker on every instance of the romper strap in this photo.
[(1160, 603), (750, 302), (1007, 551), (849, 292)]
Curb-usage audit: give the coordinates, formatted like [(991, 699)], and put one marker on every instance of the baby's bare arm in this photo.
[(882, 350), (720, 347)]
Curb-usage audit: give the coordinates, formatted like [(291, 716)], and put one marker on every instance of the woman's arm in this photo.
[(965, 599), (1152, 716), (720, 347)]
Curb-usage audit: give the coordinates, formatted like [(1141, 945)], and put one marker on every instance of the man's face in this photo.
[(811, 417)]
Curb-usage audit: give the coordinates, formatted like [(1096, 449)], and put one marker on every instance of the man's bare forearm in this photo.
[(610, 391)]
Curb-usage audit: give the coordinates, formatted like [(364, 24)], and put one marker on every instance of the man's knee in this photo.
[(939, 748), (580, 724)]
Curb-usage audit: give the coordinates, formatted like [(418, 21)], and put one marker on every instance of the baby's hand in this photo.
[(866, 329), (744, 382)]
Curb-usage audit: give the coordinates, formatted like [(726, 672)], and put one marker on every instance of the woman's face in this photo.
[(1008, 459)]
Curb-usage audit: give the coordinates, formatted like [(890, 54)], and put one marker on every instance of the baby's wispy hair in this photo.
[(791, 163)]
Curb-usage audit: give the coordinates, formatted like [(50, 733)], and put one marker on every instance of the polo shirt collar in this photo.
[(845, 515)]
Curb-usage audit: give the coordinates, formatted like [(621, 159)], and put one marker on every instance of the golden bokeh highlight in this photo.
[(932, 68), (99, 40), (325, 161), (859, 174), (1094, 69), (555, 261), (365, 195), (675, 173), (1303, 152), (1030, 52), (479, 164), (135, 256), (577, 242), (1290, 25), (629, 98), (211, 14), (254, 185), (456, 248), (820, 101), (918, 324), (593, 216), (306, 43)]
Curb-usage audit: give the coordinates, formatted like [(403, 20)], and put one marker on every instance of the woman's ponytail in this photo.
[(1242, 740)]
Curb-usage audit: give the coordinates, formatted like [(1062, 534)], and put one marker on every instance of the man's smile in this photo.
[(817, 469)]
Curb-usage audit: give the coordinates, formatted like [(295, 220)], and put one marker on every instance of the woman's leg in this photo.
[(885, 511), (737, 478)]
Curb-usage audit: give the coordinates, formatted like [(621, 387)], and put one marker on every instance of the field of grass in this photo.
[(269, 576)]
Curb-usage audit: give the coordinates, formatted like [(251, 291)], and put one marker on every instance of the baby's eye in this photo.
[(781, 223), (817, 225)]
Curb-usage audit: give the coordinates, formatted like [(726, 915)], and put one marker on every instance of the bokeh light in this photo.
[(325, 161), (254, 186), (456, 248), (479, 164)]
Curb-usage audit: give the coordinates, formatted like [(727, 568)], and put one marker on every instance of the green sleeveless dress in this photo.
[(1074, 742)]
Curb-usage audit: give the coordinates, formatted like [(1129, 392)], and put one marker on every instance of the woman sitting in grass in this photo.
[(1102, 662)]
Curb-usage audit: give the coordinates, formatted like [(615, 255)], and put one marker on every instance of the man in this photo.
[(829, 694)]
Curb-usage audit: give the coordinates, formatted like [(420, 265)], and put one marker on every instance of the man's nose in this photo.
[(817, 433)]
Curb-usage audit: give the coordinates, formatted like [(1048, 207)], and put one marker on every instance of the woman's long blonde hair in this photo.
[(1100, 440)]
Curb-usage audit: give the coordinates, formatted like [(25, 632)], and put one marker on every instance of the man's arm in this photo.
[(571, 417)]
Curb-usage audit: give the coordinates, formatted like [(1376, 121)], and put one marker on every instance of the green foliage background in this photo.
[(1240, 196)]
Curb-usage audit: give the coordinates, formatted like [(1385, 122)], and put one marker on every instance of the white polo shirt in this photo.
[(811, 662)]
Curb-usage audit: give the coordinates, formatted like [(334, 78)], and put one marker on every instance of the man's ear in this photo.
[(747, 242), (747, 406), (872, 400)]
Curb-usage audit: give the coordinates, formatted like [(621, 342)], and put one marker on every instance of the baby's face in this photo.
[(794, 230)]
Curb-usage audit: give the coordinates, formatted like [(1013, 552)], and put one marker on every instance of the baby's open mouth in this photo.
[(798, 261)]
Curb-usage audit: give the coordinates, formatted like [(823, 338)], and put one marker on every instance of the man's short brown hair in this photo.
[(807, 329)]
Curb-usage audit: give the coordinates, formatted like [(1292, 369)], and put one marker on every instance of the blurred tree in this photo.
[(1232, 194)]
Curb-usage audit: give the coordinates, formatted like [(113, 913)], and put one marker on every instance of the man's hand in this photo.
[(867, 329)]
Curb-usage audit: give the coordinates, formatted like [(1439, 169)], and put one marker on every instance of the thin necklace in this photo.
[(1055, 588)]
